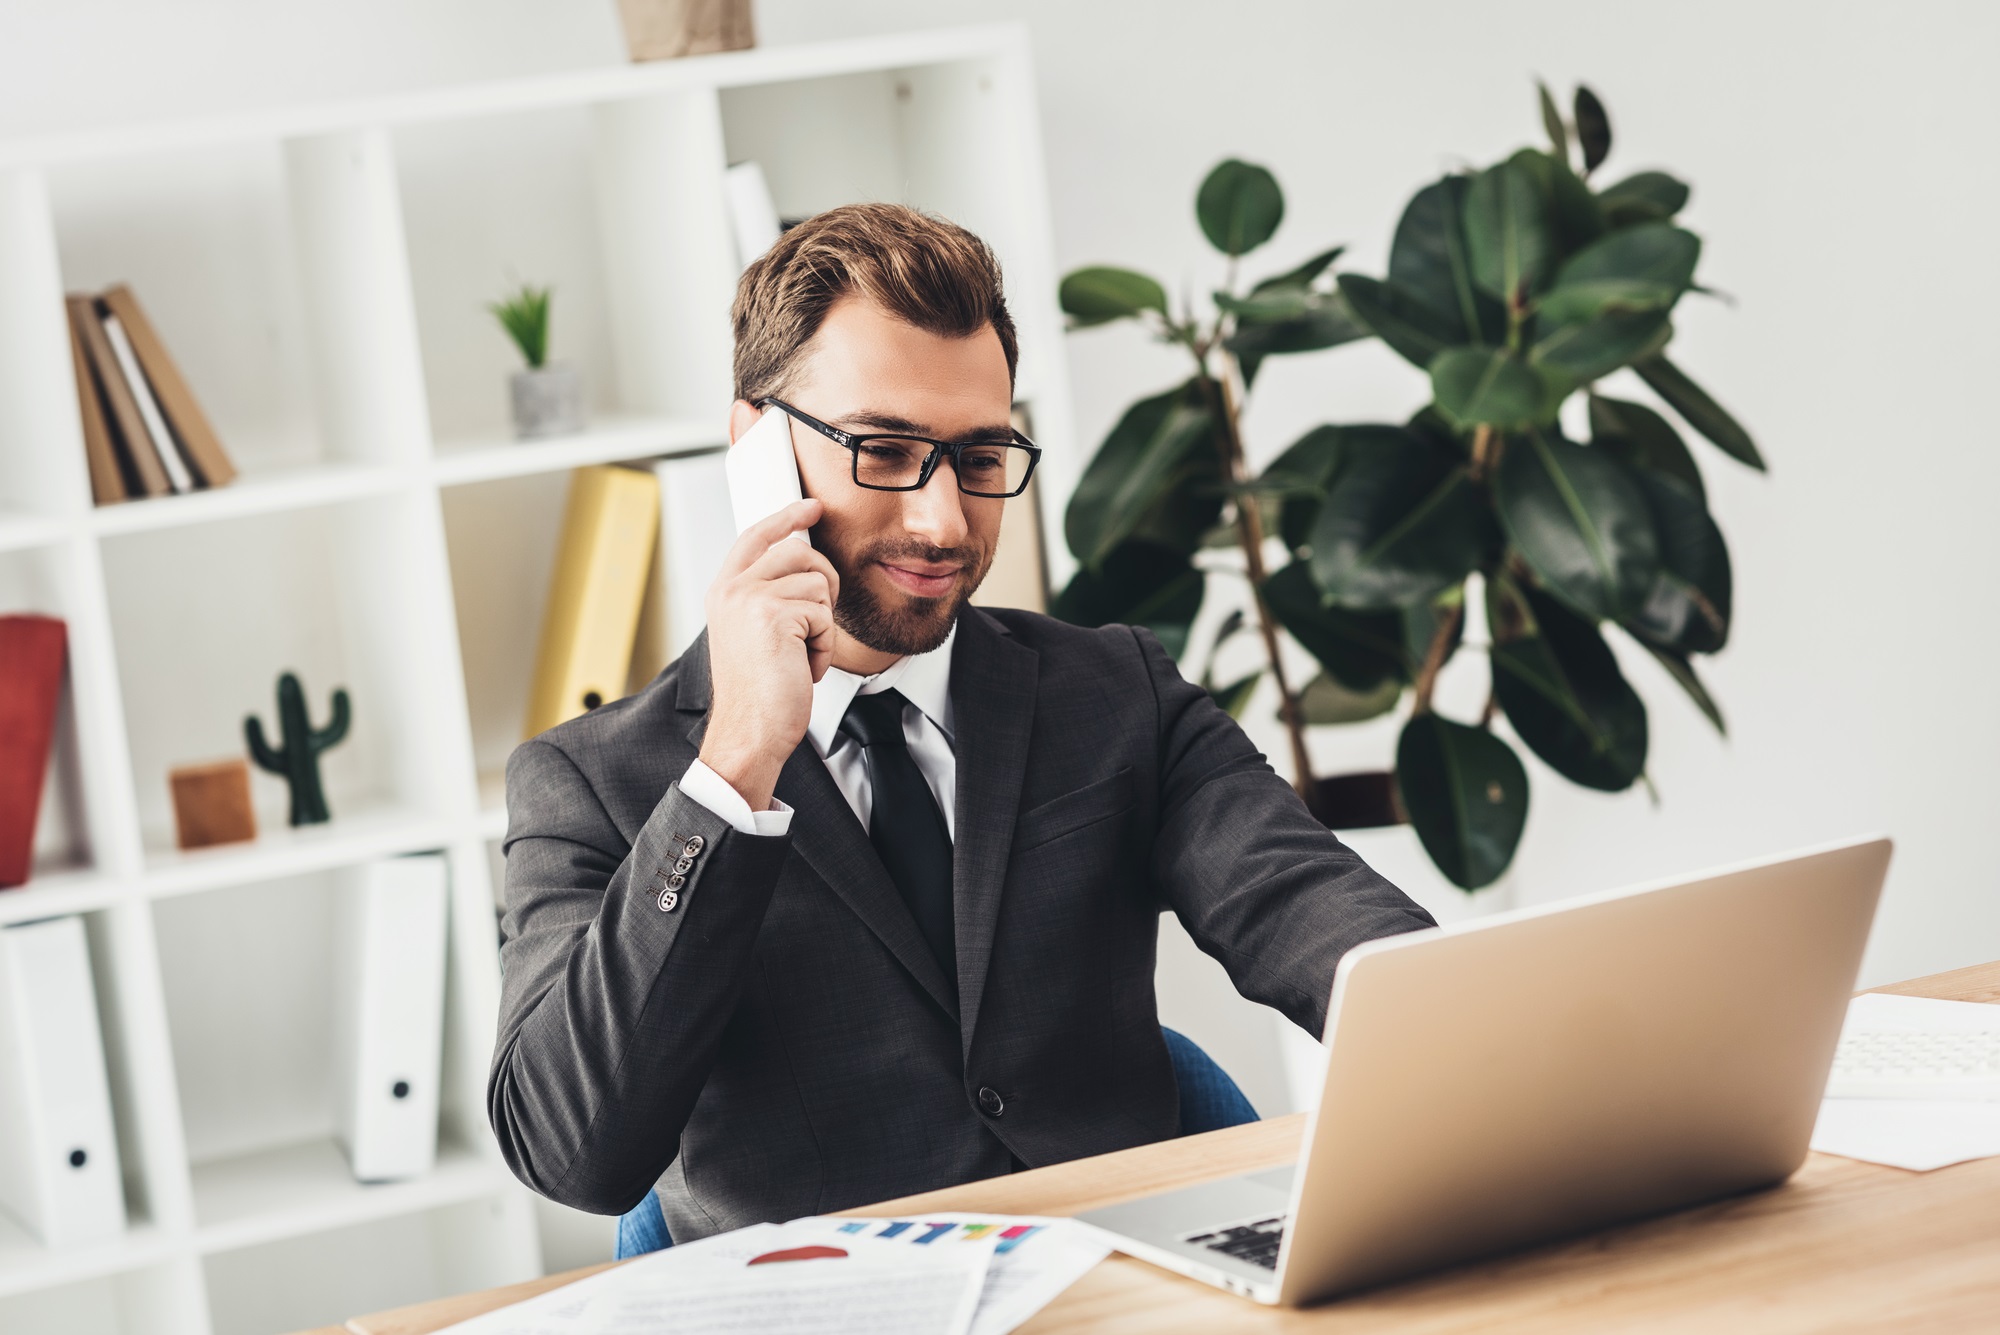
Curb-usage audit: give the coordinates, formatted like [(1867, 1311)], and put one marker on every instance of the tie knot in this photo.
[(875, 719)]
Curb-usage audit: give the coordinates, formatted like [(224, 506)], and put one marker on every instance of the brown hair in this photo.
[(921, 268)]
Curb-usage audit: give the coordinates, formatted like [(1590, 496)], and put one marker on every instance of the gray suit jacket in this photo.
[(774, 1038)]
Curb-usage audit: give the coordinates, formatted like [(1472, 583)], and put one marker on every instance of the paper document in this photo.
[(763, 1279), (1034, 1259), (1918, 1134)]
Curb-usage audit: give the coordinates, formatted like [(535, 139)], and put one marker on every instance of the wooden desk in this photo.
[(1842, 1246)]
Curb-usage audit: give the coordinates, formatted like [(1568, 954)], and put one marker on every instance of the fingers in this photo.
[(761, 536), (789, 558)]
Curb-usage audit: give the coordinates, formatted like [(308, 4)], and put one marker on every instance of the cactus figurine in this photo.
[(298, 759)]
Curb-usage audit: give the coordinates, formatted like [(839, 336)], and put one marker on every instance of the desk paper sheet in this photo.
[(1918, 1134), (1034, 1258), (719, 1286)]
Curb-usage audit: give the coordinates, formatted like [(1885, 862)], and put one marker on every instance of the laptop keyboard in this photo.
[(1255, 1242)]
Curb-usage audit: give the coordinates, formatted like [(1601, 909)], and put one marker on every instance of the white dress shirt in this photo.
[(924, 680)]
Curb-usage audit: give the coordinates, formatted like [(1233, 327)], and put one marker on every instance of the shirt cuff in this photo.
[(713, 791)]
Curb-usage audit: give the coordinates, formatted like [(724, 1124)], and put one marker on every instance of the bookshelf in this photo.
[(320, 273)]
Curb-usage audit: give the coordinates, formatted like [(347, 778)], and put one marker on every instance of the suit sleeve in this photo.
[(616, 979), (1258, 882)]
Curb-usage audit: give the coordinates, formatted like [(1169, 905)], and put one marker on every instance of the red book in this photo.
[(31, 675)]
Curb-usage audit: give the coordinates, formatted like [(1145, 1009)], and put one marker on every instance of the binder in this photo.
[(151, 417), (592, 615), (32, 651), (190, 426), (389, 959), (59, 1174), (107, 485), (695, 531), (147, 476)]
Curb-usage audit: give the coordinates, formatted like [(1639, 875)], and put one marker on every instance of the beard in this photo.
[(900, 623)]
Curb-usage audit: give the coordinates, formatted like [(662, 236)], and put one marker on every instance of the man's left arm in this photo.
[(1260, 885)]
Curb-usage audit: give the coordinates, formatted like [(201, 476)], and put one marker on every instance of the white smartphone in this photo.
[(763, 472)]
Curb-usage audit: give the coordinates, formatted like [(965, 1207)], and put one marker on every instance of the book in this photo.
[(32, 651), (389, 959), (190, 426), (150, 416), (107, 482), (695, 531), (602, 558), (59, 1172), (145, 474)]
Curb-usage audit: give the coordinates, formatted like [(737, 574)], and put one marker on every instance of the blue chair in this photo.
[(1210, 1101)]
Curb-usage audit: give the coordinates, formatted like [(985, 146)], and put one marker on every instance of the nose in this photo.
[(935, 513)]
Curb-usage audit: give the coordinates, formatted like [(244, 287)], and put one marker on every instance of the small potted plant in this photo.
[(547, 400)]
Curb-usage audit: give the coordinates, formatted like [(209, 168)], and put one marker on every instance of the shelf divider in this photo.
[(668, 251), (355, 271), (41, 429)]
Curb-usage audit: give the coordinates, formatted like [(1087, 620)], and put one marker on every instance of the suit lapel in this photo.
[(993, 680), (831, 841)]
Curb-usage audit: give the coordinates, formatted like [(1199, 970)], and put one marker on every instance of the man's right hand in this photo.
[(770, 637)]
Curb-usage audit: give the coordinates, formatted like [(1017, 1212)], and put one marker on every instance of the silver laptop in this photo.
[(1495, 1084)]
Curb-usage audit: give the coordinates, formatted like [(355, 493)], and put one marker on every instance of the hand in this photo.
[(770, 637)]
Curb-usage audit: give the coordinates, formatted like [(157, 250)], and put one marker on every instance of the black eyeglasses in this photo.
[(905, 463)]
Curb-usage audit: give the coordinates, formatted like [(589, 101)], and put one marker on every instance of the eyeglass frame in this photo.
[(853, 442)]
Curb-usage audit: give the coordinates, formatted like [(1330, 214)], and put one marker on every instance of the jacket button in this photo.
[(681, 867), (693, 847), (676, 881), (668, 899), (991, 1103)]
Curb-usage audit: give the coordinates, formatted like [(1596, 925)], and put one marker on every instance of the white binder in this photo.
[(59, 1173), (389, 958)]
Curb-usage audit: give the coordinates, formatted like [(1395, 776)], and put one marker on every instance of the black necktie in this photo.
[(905, 824)]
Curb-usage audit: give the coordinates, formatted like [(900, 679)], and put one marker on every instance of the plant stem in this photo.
[(1482, 452), (1250, 534), (1434, 656)]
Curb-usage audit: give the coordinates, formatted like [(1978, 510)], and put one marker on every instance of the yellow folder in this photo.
[(602, 560)]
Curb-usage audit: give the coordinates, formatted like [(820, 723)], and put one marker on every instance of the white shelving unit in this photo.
[(320, 273)]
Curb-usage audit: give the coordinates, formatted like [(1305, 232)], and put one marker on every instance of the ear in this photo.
[(743, 415)]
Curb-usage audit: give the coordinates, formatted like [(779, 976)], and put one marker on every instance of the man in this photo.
[(859, 898)]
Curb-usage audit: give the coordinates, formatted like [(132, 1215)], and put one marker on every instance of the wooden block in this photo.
[(212, 803)]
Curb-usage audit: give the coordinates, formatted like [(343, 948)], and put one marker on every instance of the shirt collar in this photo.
[(924, 680)]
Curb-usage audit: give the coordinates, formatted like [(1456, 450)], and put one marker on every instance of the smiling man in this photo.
[(860, 897)]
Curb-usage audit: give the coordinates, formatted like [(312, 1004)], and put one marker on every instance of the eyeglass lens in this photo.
[(983, 470)]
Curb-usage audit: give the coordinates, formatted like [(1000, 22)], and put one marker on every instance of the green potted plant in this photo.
[(547, 399), (1517, 289)]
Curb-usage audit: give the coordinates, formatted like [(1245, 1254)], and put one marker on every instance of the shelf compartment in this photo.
[(215, 266), (143, 1287), (488, 205), (210, 616)]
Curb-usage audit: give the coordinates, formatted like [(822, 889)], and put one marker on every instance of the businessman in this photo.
[(860, 896)]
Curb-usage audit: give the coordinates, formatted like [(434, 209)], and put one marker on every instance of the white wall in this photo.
[(1845, 178)]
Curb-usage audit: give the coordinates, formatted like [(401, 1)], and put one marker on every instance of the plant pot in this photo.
[(664, 29), (548, 401)]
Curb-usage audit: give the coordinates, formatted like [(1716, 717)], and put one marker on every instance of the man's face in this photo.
[(907, 560)]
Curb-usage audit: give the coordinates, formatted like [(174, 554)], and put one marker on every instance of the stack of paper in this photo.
[(1918, 1134), (938, 1275)]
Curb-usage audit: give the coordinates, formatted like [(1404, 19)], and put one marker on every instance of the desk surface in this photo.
[(1841, 1246)]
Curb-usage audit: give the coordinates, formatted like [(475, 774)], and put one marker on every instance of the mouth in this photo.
[(922, 579)]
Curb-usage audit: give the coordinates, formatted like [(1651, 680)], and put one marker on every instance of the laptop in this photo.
[(1500, 1083)]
